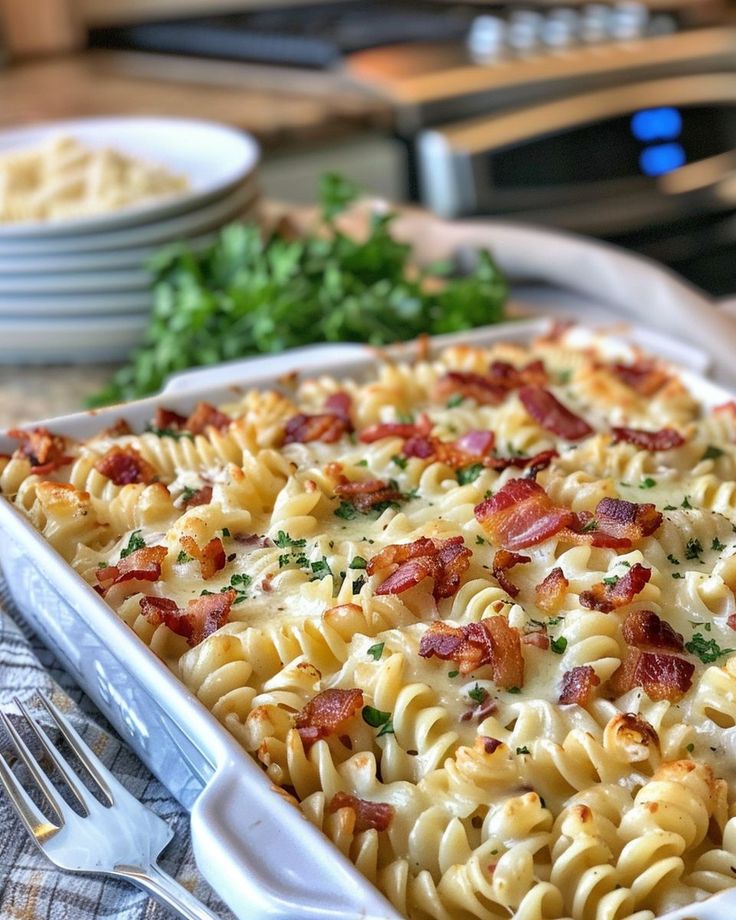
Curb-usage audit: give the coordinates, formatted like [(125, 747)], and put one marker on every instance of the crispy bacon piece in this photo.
[(443, 560), (471, 447), (537, 638), (45, 452), (195, 622), (521, 514), (253, 540), (634, 729), (548, 412), (480, 711), (504, 561), (731, 621), (663, 677), (490, 641), (551, 592), (490, 745), (405, 430), (729, 407), (578, 685), (202, 496), (302, 429), (206, 416), (513, 378), (644, 376), (339, 404), (616, 523), (664, 439), (367, 494), (325, 713), (167, 419), (470, 386), (369, 816), (607, 597), (532, 465), (211, 557), (142, 565), (124, 465), (645, 630)]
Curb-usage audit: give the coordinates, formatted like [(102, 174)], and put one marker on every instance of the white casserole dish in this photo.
[(255, 849)]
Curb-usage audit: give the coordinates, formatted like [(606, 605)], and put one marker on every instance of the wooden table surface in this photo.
[(282, 107)]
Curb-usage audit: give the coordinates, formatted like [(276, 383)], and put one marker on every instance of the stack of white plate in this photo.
[(79, 290)]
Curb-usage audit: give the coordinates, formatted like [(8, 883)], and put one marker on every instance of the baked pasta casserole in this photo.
[(475, 615)]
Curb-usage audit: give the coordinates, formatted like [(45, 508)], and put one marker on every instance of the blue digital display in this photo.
[(663, 124), (661, 158)]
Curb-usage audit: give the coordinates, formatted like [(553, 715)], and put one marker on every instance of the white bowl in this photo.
[(213, 157), (79, 340), (208, 218), (50, 307)]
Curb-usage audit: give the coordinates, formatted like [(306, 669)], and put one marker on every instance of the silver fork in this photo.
[(122, 838)]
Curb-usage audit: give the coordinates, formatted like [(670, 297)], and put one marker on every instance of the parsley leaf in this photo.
[(558, 646), (693, 549), (362, 463), (320, 569), (686, 502), (378, 719), (468, 474), (478, 694), (375, 651), (400, 461), (135, 543), (523, 750), (712, 452), (717, 545), (183, 557), (673, 559), (357, 562), (283, 540), (590, 526), (707, 650), (175, 433), (346, 510), (240, 582), (452, 673), (610, 580), (455, 401), (648, 483), (677, 575)]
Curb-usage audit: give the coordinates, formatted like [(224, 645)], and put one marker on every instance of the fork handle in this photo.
[(167, 891)]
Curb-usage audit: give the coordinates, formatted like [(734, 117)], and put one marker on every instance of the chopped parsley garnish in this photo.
[(452, 673), (686, 503), (468, 474), (553, 621), (648, 483), (320, 569), (523, 750), (590, 526), (480, 541), (183, 557), (670, 507), (611, 580), (478, 694), (677, 575), (362, 463), (558, 646), (717, 545), (712, 452), (455, 401), (690, 747), (400, 461), (358, 584), (357, 562), (188, 494), (375, 651), (564, 377), (673, 559), (225, 531), (347, 511), (284, 539), (405, 418), (514, 690), (240, 584), (135, 543), (693, 549), (378, 719), (707, 650)]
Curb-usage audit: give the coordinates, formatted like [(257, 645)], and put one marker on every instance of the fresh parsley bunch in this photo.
[(249, 295)]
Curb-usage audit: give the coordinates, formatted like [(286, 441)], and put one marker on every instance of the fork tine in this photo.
[(36, 823), (70, 778), (31, 764), (87, 758)]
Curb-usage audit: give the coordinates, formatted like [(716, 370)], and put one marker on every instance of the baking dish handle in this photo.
[(242, 830), (311, 357)]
